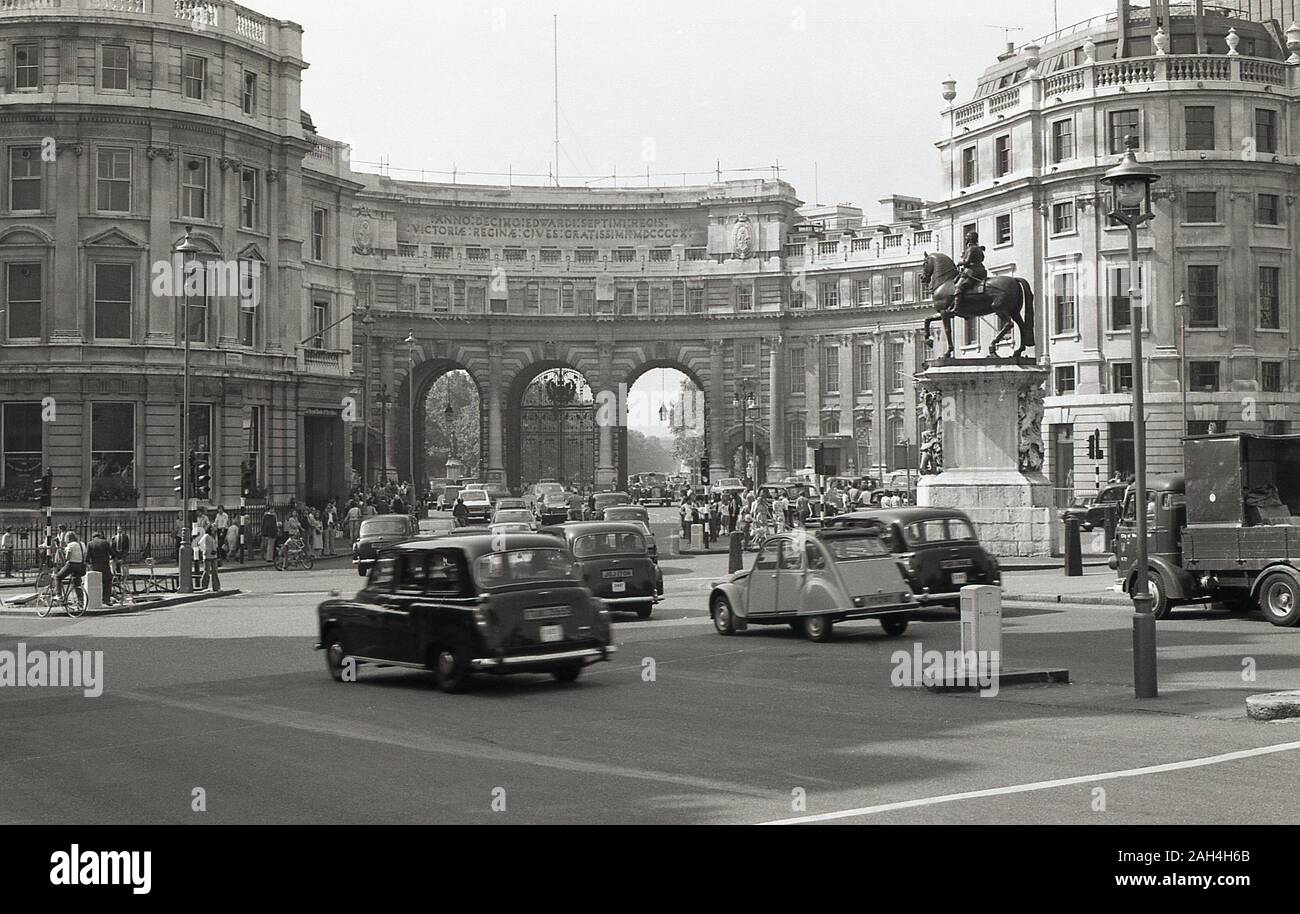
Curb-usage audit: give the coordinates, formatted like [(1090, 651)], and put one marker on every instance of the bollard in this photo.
[(185, 581), (1073, 548), (94, 584), (981, 625), (697, 537), (736, 560)]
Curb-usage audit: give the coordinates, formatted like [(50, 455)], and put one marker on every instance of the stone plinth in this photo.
[(991, 413)]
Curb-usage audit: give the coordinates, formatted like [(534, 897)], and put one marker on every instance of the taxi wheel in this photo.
[(893, 627), (567, 673), (818, 628), (335, 659), (643, 612), (451, 669), (723, 618)]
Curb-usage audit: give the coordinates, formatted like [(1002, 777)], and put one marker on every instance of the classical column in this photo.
[(848, 395), (388, 378), (61, 165), (778, 384), (813, 401), (718, 466), (606, 470), (496, 451)]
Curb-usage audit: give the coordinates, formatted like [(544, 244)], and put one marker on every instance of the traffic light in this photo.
[(246, 481), (1094, 447), (704, 470), (44, 489), (180, 471), (202, 479)]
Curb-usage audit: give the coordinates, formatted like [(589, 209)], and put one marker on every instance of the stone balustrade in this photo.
[(218, 16)]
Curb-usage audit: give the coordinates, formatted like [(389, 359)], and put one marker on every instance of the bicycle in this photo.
[(294, 554), (49, 593)]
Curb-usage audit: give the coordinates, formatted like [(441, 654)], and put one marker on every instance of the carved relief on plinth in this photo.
[(1031, 408), (931, 433)]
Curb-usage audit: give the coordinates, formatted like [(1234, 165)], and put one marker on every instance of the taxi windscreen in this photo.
[(849, 548), (596, 544), (384, 526), (501, 569)]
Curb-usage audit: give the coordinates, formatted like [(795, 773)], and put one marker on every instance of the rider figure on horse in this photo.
[(973, 272)]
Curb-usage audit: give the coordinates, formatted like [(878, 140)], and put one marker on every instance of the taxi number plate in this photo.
[(617, 573), (959, 578), (620, 587), (552, 633), (959, 563)]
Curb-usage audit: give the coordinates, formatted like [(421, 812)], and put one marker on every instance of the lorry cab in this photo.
[(1166, 507)]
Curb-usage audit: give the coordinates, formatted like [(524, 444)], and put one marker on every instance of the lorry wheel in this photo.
[(723, 620), (1279, 597), (1160, 605)]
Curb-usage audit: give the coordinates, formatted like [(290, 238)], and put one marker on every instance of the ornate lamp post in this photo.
[(745, 400), (367, 319), (449, 415), (1130, 184), (410, 407), (189, 252), (384, 399)]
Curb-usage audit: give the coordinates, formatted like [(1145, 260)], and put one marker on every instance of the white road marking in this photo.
[(1043, 785)]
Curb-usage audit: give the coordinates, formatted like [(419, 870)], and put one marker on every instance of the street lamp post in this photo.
[(1130, 183), (185, 559), (1181, 307), (450, 415), (410, 405), (383, 399), (744, 400), (367, 319)]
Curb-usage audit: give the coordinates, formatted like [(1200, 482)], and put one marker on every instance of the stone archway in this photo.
[(695, 413), (550, 432), (425, 376)]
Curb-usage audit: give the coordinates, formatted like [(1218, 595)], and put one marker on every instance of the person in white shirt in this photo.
[(74, 561), (206, 546)]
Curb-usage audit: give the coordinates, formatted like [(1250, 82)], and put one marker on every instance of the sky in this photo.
[(843, 94)]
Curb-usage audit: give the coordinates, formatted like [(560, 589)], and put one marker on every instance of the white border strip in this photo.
[(1041, 785)]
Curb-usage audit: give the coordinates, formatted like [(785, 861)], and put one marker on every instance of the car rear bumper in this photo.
[(539, 661), (626, 601)]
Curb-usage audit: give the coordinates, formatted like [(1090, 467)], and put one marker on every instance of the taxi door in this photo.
[(762, 597)]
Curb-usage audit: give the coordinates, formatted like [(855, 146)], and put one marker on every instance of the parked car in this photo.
[(455, 605), (616, 564), (937, 549), (517, 517), (378, 532), (478, 505), (812, 580), (1100, 511)]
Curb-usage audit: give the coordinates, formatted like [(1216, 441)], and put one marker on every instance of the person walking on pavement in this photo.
[(8, 543), (120, 545), (232, 541), (221, 522), (99, 557), (207, 547), (270, 533)]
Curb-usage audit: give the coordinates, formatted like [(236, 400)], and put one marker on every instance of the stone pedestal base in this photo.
[(991, 413)]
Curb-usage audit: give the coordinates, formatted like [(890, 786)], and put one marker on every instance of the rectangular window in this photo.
[(862, 292), (969, 166), (1270, 377), (661, 255), (745, 297), (248, 97), (898, 358), (248, 198), (1204, 376), (25, 178), (1202, 206), (113, 283), (194, 188), (320, 219), (549, 256), (1063, 218), (695, 299), (1063, 381), (320, 319), (1203, 289), (113, 180), (829, 292), (625, 255), (253, 465), (798, 370), (749, 355), (1266, 209), (1121, 374), (1198, 121), (866, 369), (1002, 230), (23, 445), (198, 309), (23, 300), (194, 79), (1121, 312), (201, 433), (830, 369), (475, 255), (895, 290), (798, 447), (1002, 156), (830, 423), (250, 297), (515, 255), (115, 68), (584, 255), (1063, 303), (1270, 298), (1265, 130), (1123, 124), (112, 448), (624, 301), (1062, 141), (27, 67)]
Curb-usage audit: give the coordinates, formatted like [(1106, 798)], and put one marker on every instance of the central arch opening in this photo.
[(453, 428), (666, 429), (556, 430)]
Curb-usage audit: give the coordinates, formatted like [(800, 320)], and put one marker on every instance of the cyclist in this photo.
[(74, 563)]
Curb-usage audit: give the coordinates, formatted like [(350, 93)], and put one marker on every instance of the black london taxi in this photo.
[(812, 579), (467, 603), (936, 548), (615, 564), (378, 532)]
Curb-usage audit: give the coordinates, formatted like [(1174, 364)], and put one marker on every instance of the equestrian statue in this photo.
[(965, 290)]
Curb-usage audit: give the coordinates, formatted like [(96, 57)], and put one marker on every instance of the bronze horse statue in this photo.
[(1009, 297)]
